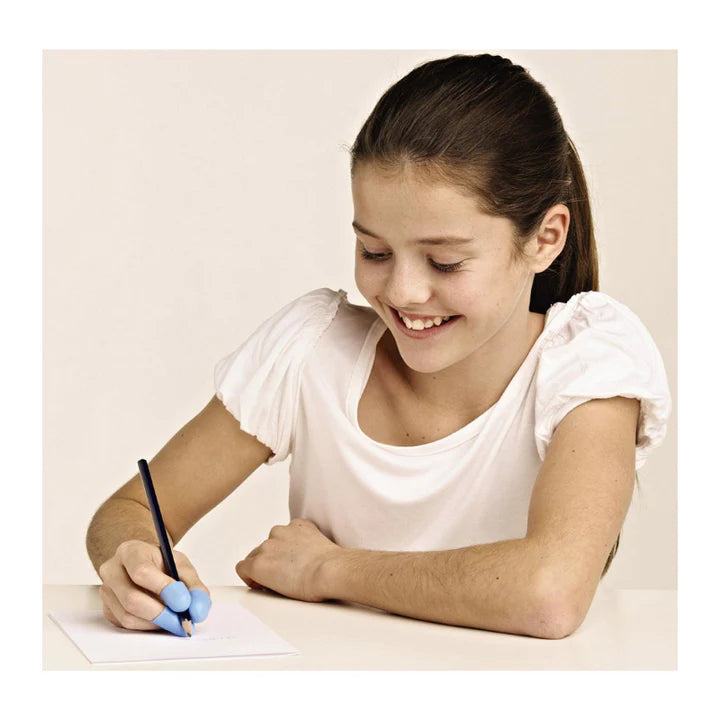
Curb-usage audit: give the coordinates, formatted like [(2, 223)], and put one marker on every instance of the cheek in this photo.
[(494, 284), (484, 300), (365, 282), (369, 272), (360, 276)]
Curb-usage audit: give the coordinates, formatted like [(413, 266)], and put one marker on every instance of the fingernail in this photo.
[(176, 596), (169, 621), (199, 605)]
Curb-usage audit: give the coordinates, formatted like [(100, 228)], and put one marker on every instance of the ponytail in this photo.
[(575, 269)]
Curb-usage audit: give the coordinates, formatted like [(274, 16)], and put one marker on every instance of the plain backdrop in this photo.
[(188, 195)]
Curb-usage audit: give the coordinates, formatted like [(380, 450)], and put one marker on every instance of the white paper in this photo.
[(229, 631)]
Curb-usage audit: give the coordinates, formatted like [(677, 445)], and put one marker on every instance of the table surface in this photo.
[(624, 630)]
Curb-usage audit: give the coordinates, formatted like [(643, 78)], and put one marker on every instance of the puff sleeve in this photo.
[(259, 382), (598, 348)]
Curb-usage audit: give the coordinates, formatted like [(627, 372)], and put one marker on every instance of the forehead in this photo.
[(408, 195), (405, 184)]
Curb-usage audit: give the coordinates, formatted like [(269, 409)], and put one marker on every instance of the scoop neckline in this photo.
[(361, 376)]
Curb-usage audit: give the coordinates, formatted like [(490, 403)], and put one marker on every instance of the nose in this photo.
[(407, 286)]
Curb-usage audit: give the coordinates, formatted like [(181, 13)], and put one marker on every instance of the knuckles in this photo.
[(133, 603), (109, 616), (124, 548), (141, 573), (103, 571)]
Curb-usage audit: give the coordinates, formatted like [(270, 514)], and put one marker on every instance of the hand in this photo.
[(138, 595), (290, 561)]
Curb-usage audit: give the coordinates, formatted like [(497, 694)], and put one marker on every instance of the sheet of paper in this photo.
[(230, 631)]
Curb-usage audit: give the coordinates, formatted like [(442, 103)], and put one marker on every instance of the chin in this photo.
[(426, 363)]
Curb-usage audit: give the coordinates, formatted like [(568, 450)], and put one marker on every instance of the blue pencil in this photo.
[(165, 549)]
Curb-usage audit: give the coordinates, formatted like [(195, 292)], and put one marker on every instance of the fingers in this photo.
[(133, 600), (199, 605), (246, 578), (251, 583), (176, 596), (200, 601), (170, 621), (134, 578), (144, 566), (118, 615), (143, 563), (188, 574)]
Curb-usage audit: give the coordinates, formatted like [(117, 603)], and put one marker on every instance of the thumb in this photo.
[(242, 571)]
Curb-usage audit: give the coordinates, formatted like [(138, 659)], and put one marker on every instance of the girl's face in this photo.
[(473, 278)]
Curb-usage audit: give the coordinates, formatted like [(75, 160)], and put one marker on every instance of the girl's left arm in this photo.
[(540, 585), (581, 497)]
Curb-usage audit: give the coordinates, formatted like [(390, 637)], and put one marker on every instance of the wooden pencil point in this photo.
[(187, 627)]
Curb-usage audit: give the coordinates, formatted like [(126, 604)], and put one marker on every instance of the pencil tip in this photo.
[(187, 627)]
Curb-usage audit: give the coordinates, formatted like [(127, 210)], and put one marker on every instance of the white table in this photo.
[(624, 630)]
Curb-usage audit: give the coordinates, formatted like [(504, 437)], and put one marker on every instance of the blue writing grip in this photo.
[(177, 598), (199, 605)]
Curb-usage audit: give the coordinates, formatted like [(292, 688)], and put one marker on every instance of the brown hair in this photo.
[(484, 125)]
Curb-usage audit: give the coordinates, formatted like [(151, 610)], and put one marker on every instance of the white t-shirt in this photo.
[(295, 384)]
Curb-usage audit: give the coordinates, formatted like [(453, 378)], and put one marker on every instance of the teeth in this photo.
[(422, 324)]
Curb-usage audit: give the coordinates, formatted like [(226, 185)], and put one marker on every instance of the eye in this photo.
[(372, 256), (447, 268), (439, 267)]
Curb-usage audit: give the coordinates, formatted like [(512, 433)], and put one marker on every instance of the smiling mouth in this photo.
[(446, 319)]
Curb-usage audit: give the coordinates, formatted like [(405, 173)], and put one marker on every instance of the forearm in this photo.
[(117, 520), (491, 587)]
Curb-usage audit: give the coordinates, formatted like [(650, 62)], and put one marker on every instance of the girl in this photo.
[(464, 449)]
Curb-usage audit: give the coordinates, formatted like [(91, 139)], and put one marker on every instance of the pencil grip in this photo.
[(176, 596), (199, 605), (170, 621)]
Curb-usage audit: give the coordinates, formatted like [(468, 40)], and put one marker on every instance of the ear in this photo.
[(550, 239)]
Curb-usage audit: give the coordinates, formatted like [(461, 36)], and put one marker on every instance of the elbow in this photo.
[(557, 614), (554, 624)]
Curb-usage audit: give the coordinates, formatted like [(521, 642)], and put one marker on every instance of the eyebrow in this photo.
[(445, 240)]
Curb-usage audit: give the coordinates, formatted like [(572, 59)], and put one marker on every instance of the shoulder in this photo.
[(300, 322), (314, 307), (597, 328), (258, 382), (597, 347), (285, 336), (591, 309)]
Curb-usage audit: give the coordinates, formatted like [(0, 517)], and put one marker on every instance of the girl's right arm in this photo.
[(198, 468)]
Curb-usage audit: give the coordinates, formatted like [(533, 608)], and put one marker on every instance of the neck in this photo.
[(477, 382)]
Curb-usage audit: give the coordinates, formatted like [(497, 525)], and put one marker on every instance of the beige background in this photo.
[(187, 195)]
